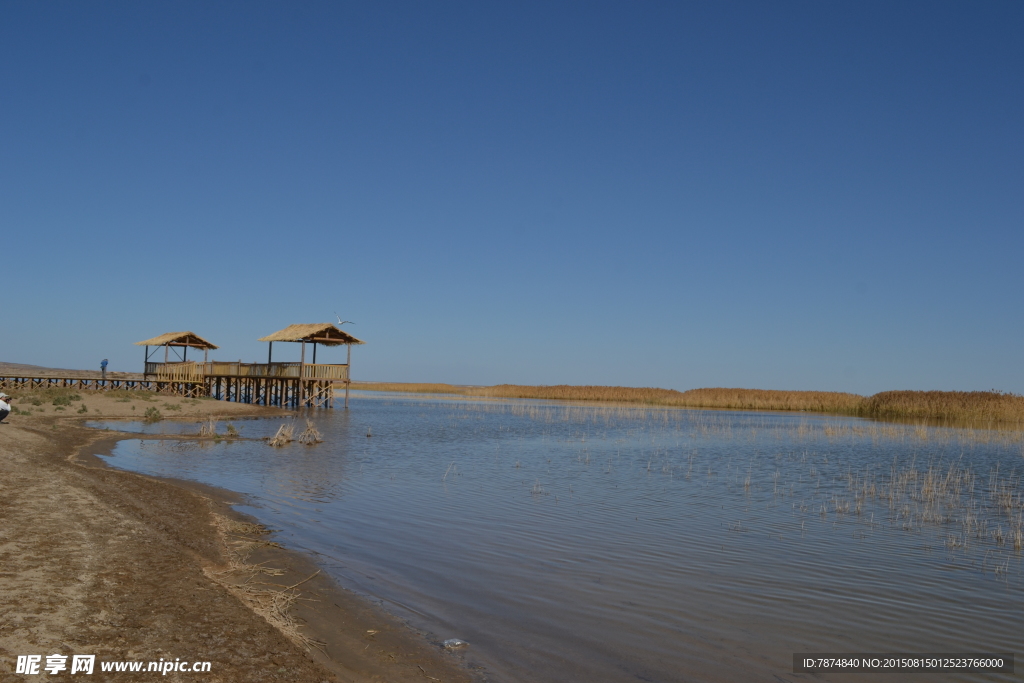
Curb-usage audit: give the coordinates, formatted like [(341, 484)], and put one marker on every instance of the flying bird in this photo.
[(343, 322)]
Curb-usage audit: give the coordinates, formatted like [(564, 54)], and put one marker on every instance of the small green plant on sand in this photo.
[(153, 414), (58, 396), (231, 431), (83, 409), (172, 406)]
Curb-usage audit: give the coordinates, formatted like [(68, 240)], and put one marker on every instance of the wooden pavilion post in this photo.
[(348, 372), (302, 373)]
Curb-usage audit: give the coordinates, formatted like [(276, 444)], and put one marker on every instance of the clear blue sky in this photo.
[(774, 195)]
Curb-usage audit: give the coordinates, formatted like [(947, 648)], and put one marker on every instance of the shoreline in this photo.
[(148, 568)]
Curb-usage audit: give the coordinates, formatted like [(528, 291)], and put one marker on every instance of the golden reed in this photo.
[(987, 406)]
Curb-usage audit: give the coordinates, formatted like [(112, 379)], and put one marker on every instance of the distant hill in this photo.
[(26, 370), (31, 369)]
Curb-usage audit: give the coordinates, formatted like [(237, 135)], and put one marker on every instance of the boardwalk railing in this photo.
[(177, 372), (198, 372), (28, 383)]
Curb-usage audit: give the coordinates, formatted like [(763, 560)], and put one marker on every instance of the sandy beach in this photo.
[(98, 561)]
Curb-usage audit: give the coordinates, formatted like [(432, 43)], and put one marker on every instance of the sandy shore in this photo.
[(123, 566)]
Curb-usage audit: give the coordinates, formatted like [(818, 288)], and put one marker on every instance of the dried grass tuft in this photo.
[(283, 436), (208, 428), (310, 435)]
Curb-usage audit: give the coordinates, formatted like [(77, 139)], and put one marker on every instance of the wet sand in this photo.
[(95, 560)]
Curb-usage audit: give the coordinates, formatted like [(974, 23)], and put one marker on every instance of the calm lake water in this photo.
[(581, 543)]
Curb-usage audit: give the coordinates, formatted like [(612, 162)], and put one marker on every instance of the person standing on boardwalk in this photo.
[(103, 367), (5, 406)]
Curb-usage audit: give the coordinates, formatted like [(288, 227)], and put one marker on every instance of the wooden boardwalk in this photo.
[(20, 382), (271, 384)]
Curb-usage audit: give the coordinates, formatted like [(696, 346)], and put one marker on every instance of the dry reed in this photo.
[(273, 602), (962, 406), (310, 435), (208, 428), (975, 406), (282, 437)]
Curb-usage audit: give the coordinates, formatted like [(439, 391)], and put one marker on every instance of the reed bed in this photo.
[(981, 517), (977, 407)]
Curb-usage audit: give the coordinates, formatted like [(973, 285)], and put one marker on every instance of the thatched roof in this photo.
[(319, 333), (178, 339)]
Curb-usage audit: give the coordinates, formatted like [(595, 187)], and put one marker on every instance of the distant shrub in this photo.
[(152, 414)]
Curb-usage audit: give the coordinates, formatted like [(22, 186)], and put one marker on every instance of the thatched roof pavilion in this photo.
[(314, 333), (179, 339), (183, 340)]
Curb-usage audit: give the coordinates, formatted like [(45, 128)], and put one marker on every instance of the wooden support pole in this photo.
[(302, 371), (348, 372)]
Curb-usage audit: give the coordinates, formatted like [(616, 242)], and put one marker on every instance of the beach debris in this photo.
[(283, 436), (311, 435), (454, 644)]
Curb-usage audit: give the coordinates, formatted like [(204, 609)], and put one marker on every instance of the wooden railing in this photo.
[(324, 371), (197, 372), (188, 371)]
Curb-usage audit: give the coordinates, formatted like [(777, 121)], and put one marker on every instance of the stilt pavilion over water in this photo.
[(285, 384)]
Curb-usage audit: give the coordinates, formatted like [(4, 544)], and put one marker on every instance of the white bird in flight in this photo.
[(342, 322)]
